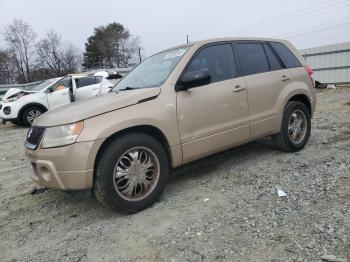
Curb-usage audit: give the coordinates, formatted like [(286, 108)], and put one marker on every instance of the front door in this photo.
[(213, 117), (58, 94)]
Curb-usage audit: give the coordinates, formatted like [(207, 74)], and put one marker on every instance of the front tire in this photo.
[(131, 172), (296, 127), (29, 115)]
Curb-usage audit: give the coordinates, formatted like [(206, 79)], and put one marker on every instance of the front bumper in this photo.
[(13, 115), (67, 168)]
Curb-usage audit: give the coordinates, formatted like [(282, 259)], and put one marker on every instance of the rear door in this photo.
[(87, 87), (265, 77), (58, 94), (213, 117)]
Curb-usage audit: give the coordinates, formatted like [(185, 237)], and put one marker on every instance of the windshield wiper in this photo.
[(130, 88)]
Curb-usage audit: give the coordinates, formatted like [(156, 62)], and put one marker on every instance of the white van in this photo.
[(23, 106)]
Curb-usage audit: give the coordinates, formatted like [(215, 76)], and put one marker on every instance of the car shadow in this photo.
[(10, 125), (223, 159), (198, 170)]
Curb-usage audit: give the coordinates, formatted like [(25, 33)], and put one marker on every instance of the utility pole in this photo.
[(140, 55), (187, 39)]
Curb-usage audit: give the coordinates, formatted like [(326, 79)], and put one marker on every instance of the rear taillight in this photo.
[(310, 73)]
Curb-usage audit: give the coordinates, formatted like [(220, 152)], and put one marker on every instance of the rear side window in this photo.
[(287, 57), (87, 81), (274, 64), (253, 58), (217, 59), (98, 79)]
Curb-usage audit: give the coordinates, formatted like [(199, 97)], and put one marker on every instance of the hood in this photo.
[(13, 91), (78, 111)]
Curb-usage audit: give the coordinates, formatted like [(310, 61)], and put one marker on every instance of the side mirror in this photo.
[(49, 90), (115, 76), (194, 79)]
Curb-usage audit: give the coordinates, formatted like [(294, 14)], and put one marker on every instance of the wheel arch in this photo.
[(145, 129), (303, 99), (31, 105)]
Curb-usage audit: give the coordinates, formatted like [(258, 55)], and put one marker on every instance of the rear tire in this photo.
[(131, 172), (296, 127), (29, 115)]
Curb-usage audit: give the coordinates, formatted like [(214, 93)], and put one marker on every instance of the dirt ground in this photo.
[(224, 207)]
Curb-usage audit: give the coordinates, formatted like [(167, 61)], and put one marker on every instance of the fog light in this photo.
[(45, 173), (7, 110)]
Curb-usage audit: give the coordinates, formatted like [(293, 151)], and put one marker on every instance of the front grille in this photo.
[(34, 136)]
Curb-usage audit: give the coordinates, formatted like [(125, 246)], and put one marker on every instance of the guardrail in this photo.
[(4, 88), (20, 86)]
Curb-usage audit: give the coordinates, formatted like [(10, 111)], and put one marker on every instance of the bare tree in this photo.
[(72, 58), (49, 52), (20, 39), (7, 67), (61, 58), (132, 51)]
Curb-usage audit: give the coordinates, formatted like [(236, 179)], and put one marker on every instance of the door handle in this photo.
[(63, 94), (284, 78), (95, 88), (238, 88)]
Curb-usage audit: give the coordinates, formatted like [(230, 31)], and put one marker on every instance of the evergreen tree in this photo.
[(92, 56), (110, 46)]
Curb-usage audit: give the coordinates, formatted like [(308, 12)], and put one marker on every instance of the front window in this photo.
[(153, 71), (217, 59), (62, 84)]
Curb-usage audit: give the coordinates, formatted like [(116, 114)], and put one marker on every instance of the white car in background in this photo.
[(21, 107)]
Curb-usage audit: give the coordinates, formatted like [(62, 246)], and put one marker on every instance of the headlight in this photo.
[(15, 97), (11, 99), (62, 135)]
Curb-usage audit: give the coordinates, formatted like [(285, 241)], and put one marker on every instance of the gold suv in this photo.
[(177, 106)]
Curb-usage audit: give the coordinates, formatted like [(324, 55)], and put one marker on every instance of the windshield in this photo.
[(43, 85), (153, 71)]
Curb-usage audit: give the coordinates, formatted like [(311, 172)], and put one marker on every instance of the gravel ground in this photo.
[(224, 207)]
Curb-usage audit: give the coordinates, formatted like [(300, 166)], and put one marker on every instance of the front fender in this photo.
[(161, 115)]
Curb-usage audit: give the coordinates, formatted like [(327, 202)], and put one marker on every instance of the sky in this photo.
[(161, 24)]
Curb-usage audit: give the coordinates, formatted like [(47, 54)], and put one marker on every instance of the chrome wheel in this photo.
[(297, 126), (136, 173), (32, 114)]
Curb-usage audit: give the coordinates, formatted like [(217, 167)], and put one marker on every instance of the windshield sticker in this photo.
[(175, 54)]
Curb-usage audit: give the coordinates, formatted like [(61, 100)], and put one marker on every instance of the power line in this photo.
[(317, 29), (307, 11), (320, 41), (301, 18)]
